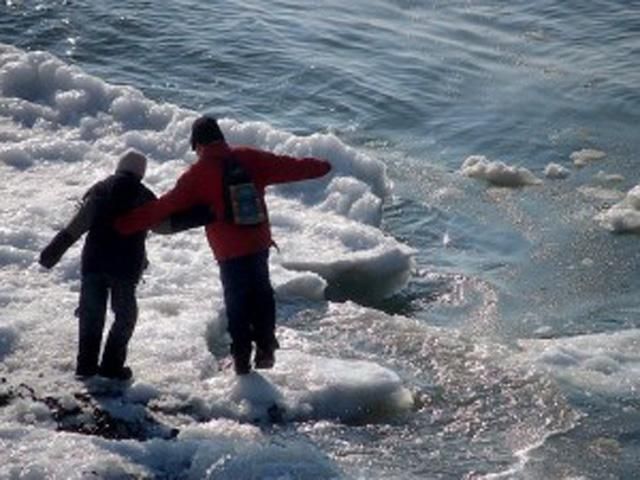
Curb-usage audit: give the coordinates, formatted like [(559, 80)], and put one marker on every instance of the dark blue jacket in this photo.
[(105, 250)]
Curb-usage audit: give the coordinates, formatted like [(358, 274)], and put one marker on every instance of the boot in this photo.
[(241, 364), (241, 359), (264, 358)]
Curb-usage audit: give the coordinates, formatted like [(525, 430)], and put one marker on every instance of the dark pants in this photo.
[(94, 292), (250, 304)]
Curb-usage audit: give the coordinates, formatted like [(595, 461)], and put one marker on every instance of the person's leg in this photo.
[(91, 316), (263, 315), (233, 274), (125, 309)]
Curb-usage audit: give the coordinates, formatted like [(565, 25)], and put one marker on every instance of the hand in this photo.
[(50, 256), (53, 252)]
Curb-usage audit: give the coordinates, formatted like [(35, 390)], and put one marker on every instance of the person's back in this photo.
[(105, 249)]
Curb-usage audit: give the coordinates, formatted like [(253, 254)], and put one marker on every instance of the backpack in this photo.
[(243, 205)]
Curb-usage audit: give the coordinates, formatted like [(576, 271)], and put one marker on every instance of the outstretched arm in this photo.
[(283, 168), (79, 224), (180, 198), (196, 216)]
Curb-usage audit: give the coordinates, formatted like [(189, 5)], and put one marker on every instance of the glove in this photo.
[(53, 252)]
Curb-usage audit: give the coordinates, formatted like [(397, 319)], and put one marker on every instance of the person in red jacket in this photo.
[(232, 181)]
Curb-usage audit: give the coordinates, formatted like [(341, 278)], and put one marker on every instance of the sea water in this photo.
[(457, 299)]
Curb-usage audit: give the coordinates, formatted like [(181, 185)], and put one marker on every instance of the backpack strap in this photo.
[(228, 178)]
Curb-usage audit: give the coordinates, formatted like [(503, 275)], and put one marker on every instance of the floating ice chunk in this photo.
[(587, 262), (362, 276), (291, 284), (585, 156), (356, 261), (353, 391), (446, 239), (556, 171), (498, 173), (608, 177), (606, 363), (623, 216), (303, 387)]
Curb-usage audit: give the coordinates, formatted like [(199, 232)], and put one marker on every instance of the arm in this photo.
[(196, 216), (180, 198), (283, 168), (79, 224)]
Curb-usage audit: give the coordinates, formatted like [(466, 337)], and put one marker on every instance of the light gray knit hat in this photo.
[(133, 162)]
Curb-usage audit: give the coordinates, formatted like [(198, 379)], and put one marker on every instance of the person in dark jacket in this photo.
[(232, 180), (112, 264)]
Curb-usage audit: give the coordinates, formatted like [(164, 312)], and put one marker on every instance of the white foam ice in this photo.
[(497, 173), (556, 171), (606, 364), (60, 131), (624, 216), (585, 156)]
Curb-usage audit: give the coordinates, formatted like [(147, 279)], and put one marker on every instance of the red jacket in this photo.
[(202, 184)]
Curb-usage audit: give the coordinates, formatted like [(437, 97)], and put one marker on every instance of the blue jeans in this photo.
[(94, 293), (250, 303)]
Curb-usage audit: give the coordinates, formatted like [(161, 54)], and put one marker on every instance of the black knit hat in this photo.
[(205, 130)]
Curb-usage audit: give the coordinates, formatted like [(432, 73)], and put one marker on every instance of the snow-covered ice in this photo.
[(185, 415)]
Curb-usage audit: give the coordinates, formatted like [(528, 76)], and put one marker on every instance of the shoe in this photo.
[(124, 373), (241, 356), (241, 364), (264, 359)]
